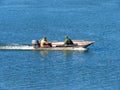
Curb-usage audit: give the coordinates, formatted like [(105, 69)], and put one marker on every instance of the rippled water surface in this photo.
[(95, 69)]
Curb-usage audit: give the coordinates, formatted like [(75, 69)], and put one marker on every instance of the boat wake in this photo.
[(28, 47), (16, 47)]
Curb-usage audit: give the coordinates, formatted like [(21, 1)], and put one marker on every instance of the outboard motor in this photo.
[(35, 43)]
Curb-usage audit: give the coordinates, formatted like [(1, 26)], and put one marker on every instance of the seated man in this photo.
[(44, 43), (68, 41)]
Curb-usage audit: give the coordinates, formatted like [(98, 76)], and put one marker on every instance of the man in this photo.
[(68, 41), (44, 43)]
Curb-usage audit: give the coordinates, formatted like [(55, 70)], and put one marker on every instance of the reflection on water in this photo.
[(66, 53), (63, 56), (43, 53)]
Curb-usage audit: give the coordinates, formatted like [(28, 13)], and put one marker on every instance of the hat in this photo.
[(44, 37)]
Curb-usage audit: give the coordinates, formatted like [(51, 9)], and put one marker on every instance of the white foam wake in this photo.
[(27, 47), (21, 47)]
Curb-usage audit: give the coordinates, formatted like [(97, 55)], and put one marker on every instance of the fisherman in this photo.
[(35, 43), (44, 43), (68, 41)]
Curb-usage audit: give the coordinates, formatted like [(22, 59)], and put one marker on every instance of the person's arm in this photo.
[(45, 42)]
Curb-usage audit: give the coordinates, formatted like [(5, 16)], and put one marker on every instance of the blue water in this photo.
[(24, 20)]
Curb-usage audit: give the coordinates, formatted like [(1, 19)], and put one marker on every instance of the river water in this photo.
[(96, 69)]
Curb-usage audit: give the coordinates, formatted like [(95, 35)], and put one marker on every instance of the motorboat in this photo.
[(56, 45), (80, 45)]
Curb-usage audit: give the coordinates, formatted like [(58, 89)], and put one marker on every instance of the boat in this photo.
[(80, 45)]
